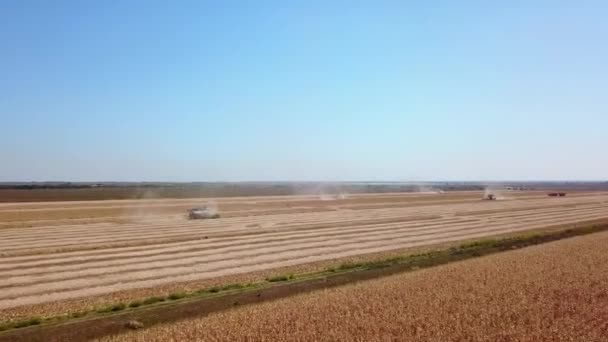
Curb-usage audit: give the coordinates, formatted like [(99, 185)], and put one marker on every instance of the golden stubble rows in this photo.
[(551, 292), (51, 270)]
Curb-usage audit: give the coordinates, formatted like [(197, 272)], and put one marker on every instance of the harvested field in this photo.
[(552, 292), (58, 252)]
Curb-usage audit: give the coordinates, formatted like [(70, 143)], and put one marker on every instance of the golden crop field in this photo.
[(59, 257), (551, 292)]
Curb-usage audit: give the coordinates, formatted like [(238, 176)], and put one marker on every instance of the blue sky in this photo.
[(303, 90)]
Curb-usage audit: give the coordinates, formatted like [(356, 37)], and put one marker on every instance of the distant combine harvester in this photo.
[(202, 213), (556, 194)]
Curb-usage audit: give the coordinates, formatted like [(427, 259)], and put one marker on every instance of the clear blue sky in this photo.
[(303, 90)]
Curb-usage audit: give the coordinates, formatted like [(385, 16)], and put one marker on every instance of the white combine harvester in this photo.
[(202, 213)]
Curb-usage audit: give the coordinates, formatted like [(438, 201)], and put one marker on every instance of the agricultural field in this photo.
[(60, 257), (552, 292)]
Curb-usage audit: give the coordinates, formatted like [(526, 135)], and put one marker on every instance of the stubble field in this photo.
[(62, 256), (551, 292)]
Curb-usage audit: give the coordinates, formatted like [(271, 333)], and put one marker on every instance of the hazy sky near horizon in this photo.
[(303, 90)]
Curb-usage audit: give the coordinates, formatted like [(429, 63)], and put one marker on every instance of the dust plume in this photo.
[(499, 192), (427, 189), (323, 191)]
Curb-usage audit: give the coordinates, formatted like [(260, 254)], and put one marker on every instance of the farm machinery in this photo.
[(202, 213), (556, 194)]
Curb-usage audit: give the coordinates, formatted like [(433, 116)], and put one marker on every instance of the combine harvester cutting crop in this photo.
[(202, 213)]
